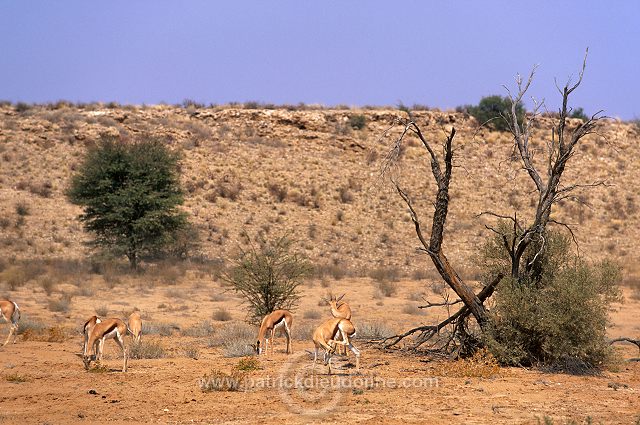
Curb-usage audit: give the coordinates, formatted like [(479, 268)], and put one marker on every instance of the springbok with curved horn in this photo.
[(339, 310), (10, 312), (106, 329), (276, 319), (325, 337)]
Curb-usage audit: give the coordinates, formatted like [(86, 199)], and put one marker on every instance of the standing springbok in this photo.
[(325, 337), (106, 329), (135, 326), (276, 319), (10, 312), (339, 310)]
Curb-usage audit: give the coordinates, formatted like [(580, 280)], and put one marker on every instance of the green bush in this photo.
[(495, 112), (267, 276), (554, 316), (579, 113)]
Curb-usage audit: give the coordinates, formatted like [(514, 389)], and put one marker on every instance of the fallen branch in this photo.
[(428, 331), (625, 339)]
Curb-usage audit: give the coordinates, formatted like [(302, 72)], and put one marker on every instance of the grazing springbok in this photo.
[(135, 326), (340, 310), (106, 329), (10, 312), (87, 328), (325, 337), (266, 335)]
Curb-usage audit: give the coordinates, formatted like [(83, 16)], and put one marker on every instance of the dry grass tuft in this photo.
[(481, 365), (220, 381), (248, 364), (146, 349)]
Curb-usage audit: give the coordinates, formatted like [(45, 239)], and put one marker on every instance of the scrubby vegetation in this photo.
[(556, 313)]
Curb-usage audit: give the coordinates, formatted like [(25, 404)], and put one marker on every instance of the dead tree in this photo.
[(548, 188), (561, 149), (441, 170)]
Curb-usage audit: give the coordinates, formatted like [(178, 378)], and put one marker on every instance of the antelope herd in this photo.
[(335, 332)]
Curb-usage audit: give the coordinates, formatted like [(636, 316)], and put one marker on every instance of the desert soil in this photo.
[(392, 387)]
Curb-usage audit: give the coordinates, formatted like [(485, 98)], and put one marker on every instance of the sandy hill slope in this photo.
[(312, 173)]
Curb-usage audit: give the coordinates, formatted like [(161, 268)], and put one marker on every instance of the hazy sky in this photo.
[(435, 53)]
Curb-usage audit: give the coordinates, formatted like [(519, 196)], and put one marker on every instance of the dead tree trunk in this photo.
[(433, 247)]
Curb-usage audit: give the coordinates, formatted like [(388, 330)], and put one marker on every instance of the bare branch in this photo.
[(443, 304)]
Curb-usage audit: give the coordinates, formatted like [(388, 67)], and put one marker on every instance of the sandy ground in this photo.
[(392, 387)]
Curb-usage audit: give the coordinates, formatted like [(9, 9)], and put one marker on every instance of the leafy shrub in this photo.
[(268, 276), (556, 315), (493, 110)]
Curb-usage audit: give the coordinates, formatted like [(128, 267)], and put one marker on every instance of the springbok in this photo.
[(325, 337), (106, 329), (340, 310), (135, 326), (276, 319), (10, 312)]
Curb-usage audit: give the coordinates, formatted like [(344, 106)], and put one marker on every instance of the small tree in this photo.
[(268, 276), (130, 194), (495, 112)]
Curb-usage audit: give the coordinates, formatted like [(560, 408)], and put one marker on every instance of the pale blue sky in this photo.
[(440, 54)]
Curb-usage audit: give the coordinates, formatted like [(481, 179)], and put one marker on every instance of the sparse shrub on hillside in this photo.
[(22, 208), (267, 276), (345, 195), (228, 189), (336, 271), (385, 274), (23, 106), (278, 191), (43, 189), (357, 122), (494, 111), (102, 311)]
